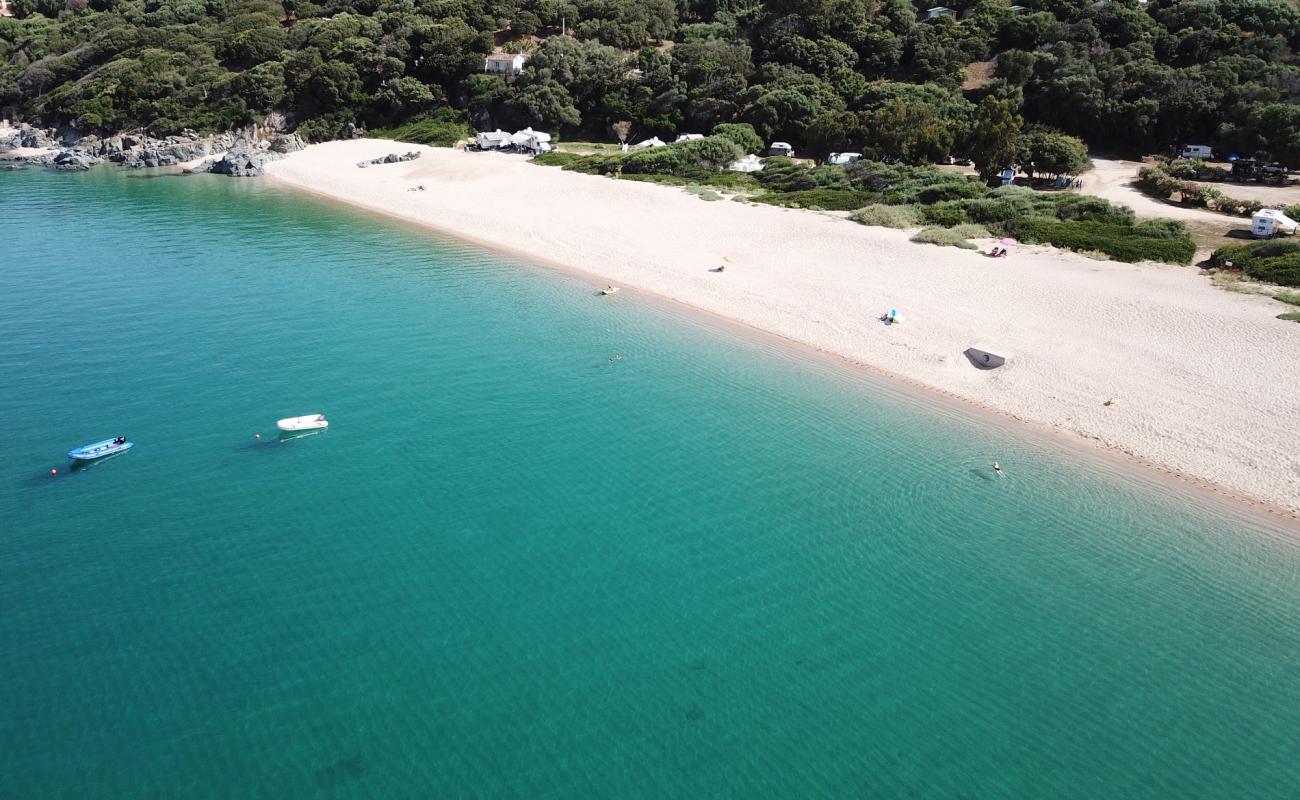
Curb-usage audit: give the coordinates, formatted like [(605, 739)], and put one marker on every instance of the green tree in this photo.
[(992, 141), (1046, 151)]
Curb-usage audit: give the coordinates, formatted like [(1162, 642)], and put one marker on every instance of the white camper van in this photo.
[(839, 159), (1270, 222), (1196, 151)]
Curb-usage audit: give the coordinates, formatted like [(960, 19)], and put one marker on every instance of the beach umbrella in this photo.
[(1006, 240)]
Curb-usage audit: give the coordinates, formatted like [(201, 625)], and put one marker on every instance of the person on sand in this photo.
[(998, 470)]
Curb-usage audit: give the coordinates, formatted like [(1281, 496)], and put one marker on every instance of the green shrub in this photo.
[(887, 216), (829, 199), (945, 214), (742, 133), (947, 237), (1290, 298), (557, 159), (1273, 261), (971, 231), (1292, 316), (952, 191), (443, 128), (1121, 242)]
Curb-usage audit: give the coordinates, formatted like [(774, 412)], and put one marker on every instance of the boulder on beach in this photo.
[(245, 159)]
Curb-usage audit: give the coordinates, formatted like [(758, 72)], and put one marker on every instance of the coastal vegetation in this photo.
[(993, 81), (1271, 261), (950, 206)]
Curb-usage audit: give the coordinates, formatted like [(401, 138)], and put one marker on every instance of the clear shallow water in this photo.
[(514, 567)]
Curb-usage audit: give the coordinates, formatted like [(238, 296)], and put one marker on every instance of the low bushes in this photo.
[(951, 237), (888, 216), (557, 159), (1273, 261), (443, 128), (1157, 181), (1120, 242), (827, 199)]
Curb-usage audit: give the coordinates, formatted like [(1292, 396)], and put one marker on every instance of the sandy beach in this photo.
[(1200, 381)]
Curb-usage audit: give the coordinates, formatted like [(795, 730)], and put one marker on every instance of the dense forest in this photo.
[(879, 76)]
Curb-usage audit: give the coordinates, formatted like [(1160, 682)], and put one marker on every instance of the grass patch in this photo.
[(945, 237), (555, 158), (1290, 316), (1290, 298), (887, 216)]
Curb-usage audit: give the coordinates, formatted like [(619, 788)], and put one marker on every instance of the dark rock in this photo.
[(34, 137), (72, 161), (245, 159)]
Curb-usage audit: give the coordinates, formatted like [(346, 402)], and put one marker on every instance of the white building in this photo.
[(653, 141), (687, 137), (505, 63), (940, 11)]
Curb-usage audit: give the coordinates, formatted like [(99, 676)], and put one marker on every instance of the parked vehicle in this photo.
[(1203, 151), (1269, 222), (781, 149), (839, 159)]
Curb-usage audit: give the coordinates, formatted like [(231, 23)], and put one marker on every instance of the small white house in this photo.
[(1269, 222), (750, 163), (940, 11), (492, 140), (1017, 10), (532, 141), (653, 141), (781, 149), (505, 63), (839, 159), (687, 137)]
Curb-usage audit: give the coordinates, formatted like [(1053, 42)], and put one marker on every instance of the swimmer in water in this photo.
[(998, 470)]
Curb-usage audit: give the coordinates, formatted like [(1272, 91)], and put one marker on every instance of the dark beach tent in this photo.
[(983, 359)]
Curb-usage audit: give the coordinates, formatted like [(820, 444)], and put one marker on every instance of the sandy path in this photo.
[(1204, 381)]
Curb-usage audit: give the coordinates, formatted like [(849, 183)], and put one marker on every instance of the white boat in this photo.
[(310, 422), (609, 290)]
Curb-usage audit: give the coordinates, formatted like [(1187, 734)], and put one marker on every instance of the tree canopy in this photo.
[(875, 76)]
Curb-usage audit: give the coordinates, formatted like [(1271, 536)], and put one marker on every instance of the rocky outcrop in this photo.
[(391, 158), (34, 137), (245, 159), (227, 153), (290, 143), (75, 161)]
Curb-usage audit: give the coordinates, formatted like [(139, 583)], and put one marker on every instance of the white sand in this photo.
[(1205, 383)]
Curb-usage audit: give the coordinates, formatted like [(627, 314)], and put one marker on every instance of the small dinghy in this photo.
[(98, 450), (983, 359), (609, 290), (310, 422)]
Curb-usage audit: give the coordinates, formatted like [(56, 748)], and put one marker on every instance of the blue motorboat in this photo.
[(98, 450)]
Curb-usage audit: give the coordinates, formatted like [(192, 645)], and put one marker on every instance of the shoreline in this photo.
[(328, 172)]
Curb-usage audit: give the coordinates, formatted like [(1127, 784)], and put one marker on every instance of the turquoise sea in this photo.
[(561, 546)]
